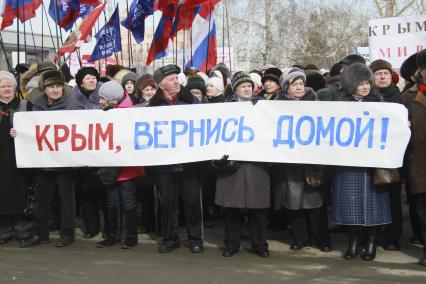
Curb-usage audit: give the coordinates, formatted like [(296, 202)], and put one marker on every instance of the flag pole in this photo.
[(18, 45), (48, 25), (5, 54), (42, 34), (208, 35), (35, 47), (227, 30), (129, 40), (223, 32), (57, 33), (25, 37), (153, 33)]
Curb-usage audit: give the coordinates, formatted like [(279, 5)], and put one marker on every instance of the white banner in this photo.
[(395, 39), (331, 133)]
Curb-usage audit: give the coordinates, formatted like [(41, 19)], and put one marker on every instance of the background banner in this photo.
[(331, 133)]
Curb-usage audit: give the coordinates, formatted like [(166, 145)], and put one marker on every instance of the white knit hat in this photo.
[(4, 75), (256, 79), (112, 92), (216, 82)]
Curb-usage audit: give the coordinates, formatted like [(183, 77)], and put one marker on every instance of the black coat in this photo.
[(289, 186), (391, 94), (13, 183)]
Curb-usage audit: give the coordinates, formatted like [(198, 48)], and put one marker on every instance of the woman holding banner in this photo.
[(243, 185), (13, 185), (355, 201), (307, 214)]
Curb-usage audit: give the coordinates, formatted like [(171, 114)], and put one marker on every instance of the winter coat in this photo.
[(90, 101), (415, 102), (184, 97), (37, 93), (243, 184), (354, 198), (391, 94), (13, 182), (289, 186), (64, 103)]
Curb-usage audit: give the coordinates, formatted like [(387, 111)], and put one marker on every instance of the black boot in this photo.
[(111, 229), (370, 248), (131, 239), (423, 260), (353, 249)]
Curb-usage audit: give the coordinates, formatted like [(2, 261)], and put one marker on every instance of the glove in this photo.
[(222, 162)]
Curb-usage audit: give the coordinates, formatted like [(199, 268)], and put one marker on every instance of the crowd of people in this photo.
[(121, 202)]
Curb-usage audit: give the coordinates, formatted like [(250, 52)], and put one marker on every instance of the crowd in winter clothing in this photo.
[(304, 198)]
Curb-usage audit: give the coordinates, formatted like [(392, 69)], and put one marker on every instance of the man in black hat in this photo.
[(172, 180)]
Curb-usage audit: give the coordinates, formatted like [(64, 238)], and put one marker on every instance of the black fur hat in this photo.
[(421, 59), (353, 58), (409, 68), (315, 80), (354, 75)]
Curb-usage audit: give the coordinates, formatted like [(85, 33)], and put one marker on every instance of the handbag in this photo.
[(386, 176), (316, 175)]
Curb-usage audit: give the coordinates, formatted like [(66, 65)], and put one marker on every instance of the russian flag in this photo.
[(204, 55), (22, 9)]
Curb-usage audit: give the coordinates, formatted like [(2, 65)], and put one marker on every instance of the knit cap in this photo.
[(112, 92), (290, 76)]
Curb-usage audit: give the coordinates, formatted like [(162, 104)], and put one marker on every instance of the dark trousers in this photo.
[(122, 193), (392, 232), (421, 212), (309, 226), (14, 226), (257, 224), (145, 194), (188, 186), (46, 185)]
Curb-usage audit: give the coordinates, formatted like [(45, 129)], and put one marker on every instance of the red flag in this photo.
[(82, 33), (90, 2)]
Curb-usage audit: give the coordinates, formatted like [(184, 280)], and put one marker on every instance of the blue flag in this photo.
[(108, 39), (135, 21)]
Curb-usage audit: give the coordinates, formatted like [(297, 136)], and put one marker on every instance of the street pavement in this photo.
[(84, 263)]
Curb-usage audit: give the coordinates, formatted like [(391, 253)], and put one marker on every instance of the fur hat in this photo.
[(421, 59), (145, 81), (131, 76), (409, 68), (290, 76), (315, 80), (380, 64), (120, 75), (112, 92), (239, 78), (272, 74), (354, 75), (51, 77), (335, 69), (311, 67), (353, 58), (83, 72), (164, 71), (256, 78), (196, 82), (46, 65), (4, 75), (112, 69), (216, 82)]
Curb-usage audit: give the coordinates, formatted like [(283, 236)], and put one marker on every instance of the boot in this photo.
[(423, 260), (370, 248), (131, 239), (353, 248), (111, 229)]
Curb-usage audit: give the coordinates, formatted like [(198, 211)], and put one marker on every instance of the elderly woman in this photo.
[(145, 89), (87, 88), (355, 201), (51, 180), (304, 203), (243, 186), (12, 185)]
